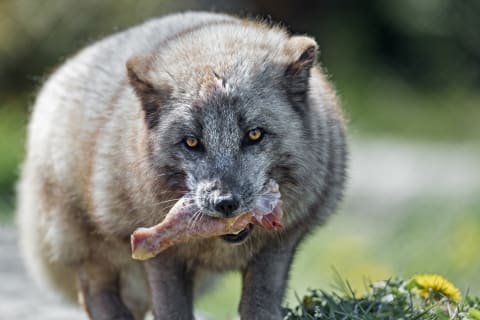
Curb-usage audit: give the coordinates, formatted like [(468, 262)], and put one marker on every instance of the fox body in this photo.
[(196, 104)]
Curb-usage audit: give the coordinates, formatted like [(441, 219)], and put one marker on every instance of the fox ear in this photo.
[(303, 51), (152, 94)]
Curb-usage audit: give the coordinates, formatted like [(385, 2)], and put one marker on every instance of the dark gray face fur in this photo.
[(227, 167)]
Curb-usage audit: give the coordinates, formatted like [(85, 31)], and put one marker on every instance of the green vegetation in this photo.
[(386, 300), (392, 108), (12, 135)]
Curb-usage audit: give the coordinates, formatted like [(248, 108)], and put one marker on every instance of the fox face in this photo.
[(226, 147), (226, 126)]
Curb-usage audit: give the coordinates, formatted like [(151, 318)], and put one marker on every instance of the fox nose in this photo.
[(226, 205)]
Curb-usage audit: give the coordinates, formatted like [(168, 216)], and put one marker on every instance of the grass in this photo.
[(388, 300)]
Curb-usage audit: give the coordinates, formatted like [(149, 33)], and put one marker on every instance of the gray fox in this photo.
[(199, 105)]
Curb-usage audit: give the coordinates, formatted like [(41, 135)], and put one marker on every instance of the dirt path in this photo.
[(19, 298), (386, 175)]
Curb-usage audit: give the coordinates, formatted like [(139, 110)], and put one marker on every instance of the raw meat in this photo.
[(185, 222)]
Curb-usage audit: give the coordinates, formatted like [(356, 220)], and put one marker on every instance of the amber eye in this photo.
[(192, 142), (255, 134)]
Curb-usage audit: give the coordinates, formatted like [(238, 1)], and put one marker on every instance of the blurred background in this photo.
[(408, 75)]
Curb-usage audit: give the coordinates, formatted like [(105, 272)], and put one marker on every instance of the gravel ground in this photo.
[(384, 174), (19, 297)]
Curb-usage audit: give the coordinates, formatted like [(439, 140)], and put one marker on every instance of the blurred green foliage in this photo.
[(12, 131), (429, 44), (12, 135)]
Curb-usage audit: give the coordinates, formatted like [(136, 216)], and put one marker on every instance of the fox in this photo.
[(202, 104)]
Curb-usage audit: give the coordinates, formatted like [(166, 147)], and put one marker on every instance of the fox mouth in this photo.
[(239, 237)]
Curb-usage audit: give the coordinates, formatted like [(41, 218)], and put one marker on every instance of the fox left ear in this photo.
[(303, 51), (152, 93)]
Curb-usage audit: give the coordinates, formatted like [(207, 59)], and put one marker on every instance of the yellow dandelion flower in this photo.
[(432, 283)]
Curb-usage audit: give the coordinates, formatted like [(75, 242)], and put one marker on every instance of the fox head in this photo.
[(226, 112)]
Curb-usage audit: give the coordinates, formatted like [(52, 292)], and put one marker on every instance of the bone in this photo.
[(184, 223)]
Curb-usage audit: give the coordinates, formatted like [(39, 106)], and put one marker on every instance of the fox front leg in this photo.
[(100, 291), (171, 287), (264, 283)]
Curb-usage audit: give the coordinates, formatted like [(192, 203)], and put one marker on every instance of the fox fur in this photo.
[(105, 155)]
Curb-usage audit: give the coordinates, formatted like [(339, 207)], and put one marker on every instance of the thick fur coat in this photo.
[(106, 155)]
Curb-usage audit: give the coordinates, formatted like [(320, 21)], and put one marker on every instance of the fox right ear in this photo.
[(152, 95), (303, 52)]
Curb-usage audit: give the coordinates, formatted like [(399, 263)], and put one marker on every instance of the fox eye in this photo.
[(255, 135), (192, 142)]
